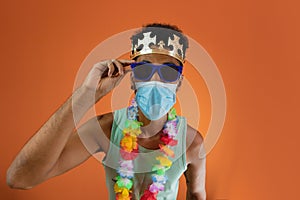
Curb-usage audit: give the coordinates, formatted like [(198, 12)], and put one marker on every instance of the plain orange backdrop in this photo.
[(255, 45)]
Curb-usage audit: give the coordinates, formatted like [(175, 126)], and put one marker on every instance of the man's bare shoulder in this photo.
[(194, 140), (106, 121), (94, 134)]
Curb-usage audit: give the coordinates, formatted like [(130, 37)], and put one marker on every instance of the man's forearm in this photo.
[(42, 151)]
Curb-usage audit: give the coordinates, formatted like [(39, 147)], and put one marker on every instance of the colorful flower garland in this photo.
[(129, 151)]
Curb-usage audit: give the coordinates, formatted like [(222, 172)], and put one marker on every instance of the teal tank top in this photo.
[(144, 162)]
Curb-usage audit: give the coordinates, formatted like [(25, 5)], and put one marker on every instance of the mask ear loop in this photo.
[(179, 82), (181, 76), (132, 82)]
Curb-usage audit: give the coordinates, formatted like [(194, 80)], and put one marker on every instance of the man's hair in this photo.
[(163, 32)]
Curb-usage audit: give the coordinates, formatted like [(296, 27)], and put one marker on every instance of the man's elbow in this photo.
[(200, 195), (14, 183)]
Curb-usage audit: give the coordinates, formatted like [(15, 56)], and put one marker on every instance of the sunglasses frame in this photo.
[(156, 68)]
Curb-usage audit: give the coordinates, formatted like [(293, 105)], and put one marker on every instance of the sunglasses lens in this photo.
[(169, 73), (142, 72)]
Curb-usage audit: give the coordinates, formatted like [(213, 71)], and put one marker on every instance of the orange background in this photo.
[(255, 45)]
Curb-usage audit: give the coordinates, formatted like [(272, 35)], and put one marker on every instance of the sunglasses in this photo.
[(168, 72)]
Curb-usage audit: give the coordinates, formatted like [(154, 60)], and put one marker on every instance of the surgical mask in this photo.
[(155, 98)]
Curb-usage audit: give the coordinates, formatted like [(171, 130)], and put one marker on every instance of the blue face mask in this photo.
[(155, 98)]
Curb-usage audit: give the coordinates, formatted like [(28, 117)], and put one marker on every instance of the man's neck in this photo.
[(151, 128)]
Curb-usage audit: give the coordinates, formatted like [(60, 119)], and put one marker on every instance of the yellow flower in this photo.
[(125, 193), (117, 188), (122, 193), (164, 161), (132, 132)]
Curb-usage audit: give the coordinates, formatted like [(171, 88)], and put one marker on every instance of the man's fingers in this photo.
[(126, 62), (111, 68), (127, 69), (119, 66), (123, 65)]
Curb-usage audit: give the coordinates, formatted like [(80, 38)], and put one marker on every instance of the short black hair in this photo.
[(163, 25)]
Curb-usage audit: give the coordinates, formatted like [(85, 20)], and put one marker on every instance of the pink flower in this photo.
[(129, 155), (156, 187), (128, 164), (170, 128)]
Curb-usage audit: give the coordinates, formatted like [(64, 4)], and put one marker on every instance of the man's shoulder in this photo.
[(194, 141), (194, 135), (105, 121)]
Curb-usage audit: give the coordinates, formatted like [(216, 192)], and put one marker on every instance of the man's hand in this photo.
[(106, 75)]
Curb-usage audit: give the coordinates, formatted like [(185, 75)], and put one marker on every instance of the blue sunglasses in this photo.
[(168, 72)]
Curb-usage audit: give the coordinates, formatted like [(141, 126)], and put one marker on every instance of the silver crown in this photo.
[(151, 45)]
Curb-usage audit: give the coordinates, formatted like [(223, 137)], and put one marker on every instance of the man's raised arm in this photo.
[(56, 147)]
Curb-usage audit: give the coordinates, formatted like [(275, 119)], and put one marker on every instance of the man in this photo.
[(129, 137)]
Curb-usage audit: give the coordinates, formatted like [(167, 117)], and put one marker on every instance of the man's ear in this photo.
[(132, 83), (179, 82)]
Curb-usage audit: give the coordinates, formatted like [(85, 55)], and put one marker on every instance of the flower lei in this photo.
[(129, 151)]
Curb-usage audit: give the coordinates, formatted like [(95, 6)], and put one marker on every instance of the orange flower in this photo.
[(166, 150), (128, 143)]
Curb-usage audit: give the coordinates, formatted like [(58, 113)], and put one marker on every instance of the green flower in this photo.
[(172, 114)]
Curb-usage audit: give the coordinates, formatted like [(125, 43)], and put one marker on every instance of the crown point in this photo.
[(146, 41), (176, 45), (161, 44)]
